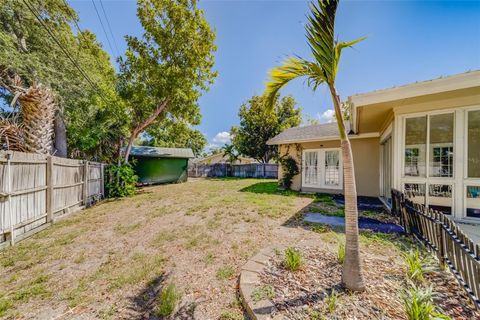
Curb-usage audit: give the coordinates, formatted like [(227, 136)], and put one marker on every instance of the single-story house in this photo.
[(155, 165), (422, 138), (220, 158)]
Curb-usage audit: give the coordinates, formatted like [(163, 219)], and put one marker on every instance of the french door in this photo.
[(322, 168)]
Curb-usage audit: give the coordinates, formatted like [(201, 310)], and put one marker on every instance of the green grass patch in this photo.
[(264, 292), (167, 301), (324, 198), (225, 273), (292, 259)]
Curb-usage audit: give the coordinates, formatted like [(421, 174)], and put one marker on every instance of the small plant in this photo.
[(341, 252), (293, 259), (290, 170), (230, 315), (225, 273), (416, 266), (167, 301), (331, 301), (418, 303), (261, 293), (321, 228), (324, 198), (121, 180)]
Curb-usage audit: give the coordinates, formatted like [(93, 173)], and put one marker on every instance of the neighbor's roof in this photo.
[(156, 152), (326, 131)]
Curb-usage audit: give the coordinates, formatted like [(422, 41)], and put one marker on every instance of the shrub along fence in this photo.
[(441, 235), (35, 189), (253, 170)]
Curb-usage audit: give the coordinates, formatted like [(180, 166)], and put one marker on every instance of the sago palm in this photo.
[(323, 70)]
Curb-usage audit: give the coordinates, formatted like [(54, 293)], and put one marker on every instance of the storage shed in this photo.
[(160, 165)]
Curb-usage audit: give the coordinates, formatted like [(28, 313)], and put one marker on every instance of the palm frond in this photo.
[(339, 46), (292, 68)]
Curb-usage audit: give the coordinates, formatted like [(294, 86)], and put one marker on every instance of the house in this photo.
[(220, 158), (421, 138), (155, 165)]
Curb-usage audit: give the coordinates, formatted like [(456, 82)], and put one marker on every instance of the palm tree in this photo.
[(323, 70), (230, 152)]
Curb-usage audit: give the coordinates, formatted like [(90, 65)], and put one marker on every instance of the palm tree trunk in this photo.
[(352, 268)]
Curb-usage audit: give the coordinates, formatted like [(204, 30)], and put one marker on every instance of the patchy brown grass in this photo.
[(105, 262)]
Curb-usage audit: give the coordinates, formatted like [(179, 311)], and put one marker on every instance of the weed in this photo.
[(418, 303), (225, 273), (167, 301), (337, 213), (209, 258), (324, 198), (262, 293), (80, 258), (341, 252), (124, 229), (230, 315), (293, 259), (331, 301)]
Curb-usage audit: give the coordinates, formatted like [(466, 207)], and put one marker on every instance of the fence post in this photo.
[(102, 180), (9, 199), (440, 241), (85, 184), (49, 193)]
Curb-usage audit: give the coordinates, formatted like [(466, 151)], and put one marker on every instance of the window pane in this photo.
[(311, 176), (441, 145), (473, 201), (440, 197), (415, 192), (415, 141), (332, 168), (474, 144)]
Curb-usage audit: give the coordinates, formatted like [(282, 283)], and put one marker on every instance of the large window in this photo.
[(473, 144), (441, 145), (415, 142), (332, 168)]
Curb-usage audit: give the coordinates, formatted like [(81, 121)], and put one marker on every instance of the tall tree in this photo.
[(93, 115), (230, 152), (166, 70), (323, 70), (258, 124)]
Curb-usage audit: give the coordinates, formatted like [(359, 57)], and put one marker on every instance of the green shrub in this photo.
[(331, 301), (167, 301), (290, 170), (416, 266), (418, 303), (293, 259), (120, 181), (341, 252)]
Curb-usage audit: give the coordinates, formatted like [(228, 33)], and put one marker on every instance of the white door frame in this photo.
[(321, 169)]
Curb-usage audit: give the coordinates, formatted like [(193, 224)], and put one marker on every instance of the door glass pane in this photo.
[(441, 145), (332, 168), (440, 197), (415, 192), (311, 172), (473, 201), (415, 141), (474, 144)]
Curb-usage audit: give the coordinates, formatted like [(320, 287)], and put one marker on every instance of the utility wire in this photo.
[(103, 27), (110, 28), (50, 32)]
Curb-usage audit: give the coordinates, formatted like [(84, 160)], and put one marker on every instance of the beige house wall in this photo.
[(366, 153)]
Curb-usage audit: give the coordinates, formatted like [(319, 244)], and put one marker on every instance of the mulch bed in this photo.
[(304, 294)]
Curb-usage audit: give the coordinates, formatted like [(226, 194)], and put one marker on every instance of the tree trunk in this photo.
[(142, 126), (352, 268), (60, 142)]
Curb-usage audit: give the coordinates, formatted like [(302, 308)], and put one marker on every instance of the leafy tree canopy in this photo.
[(166, 70), (259, 123)]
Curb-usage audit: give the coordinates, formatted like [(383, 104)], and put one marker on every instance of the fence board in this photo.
[(35, 188), (444, 237), (253, 170)]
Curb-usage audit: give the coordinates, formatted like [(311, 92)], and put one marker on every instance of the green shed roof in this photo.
[(155, 152)]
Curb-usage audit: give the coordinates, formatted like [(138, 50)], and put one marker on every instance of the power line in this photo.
[(50, 32), (109, 28), (103, 27)]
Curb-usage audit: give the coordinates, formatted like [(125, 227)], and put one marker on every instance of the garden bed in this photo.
[(314, 291)]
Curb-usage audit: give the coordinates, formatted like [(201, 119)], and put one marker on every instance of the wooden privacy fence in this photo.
[(36, 189), (253, 170), (445, 238)]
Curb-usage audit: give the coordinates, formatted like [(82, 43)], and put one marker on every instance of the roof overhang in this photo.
[(331, 138), (388, 98)]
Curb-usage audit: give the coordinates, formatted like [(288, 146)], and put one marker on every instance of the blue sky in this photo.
[(407, 41)]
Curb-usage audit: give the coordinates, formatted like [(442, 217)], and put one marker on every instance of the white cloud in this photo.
[(222, 137), (327, 117), (211, 146)]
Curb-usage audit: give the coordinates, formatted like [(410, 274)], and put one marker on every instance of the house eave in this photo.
[(330, 138)]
